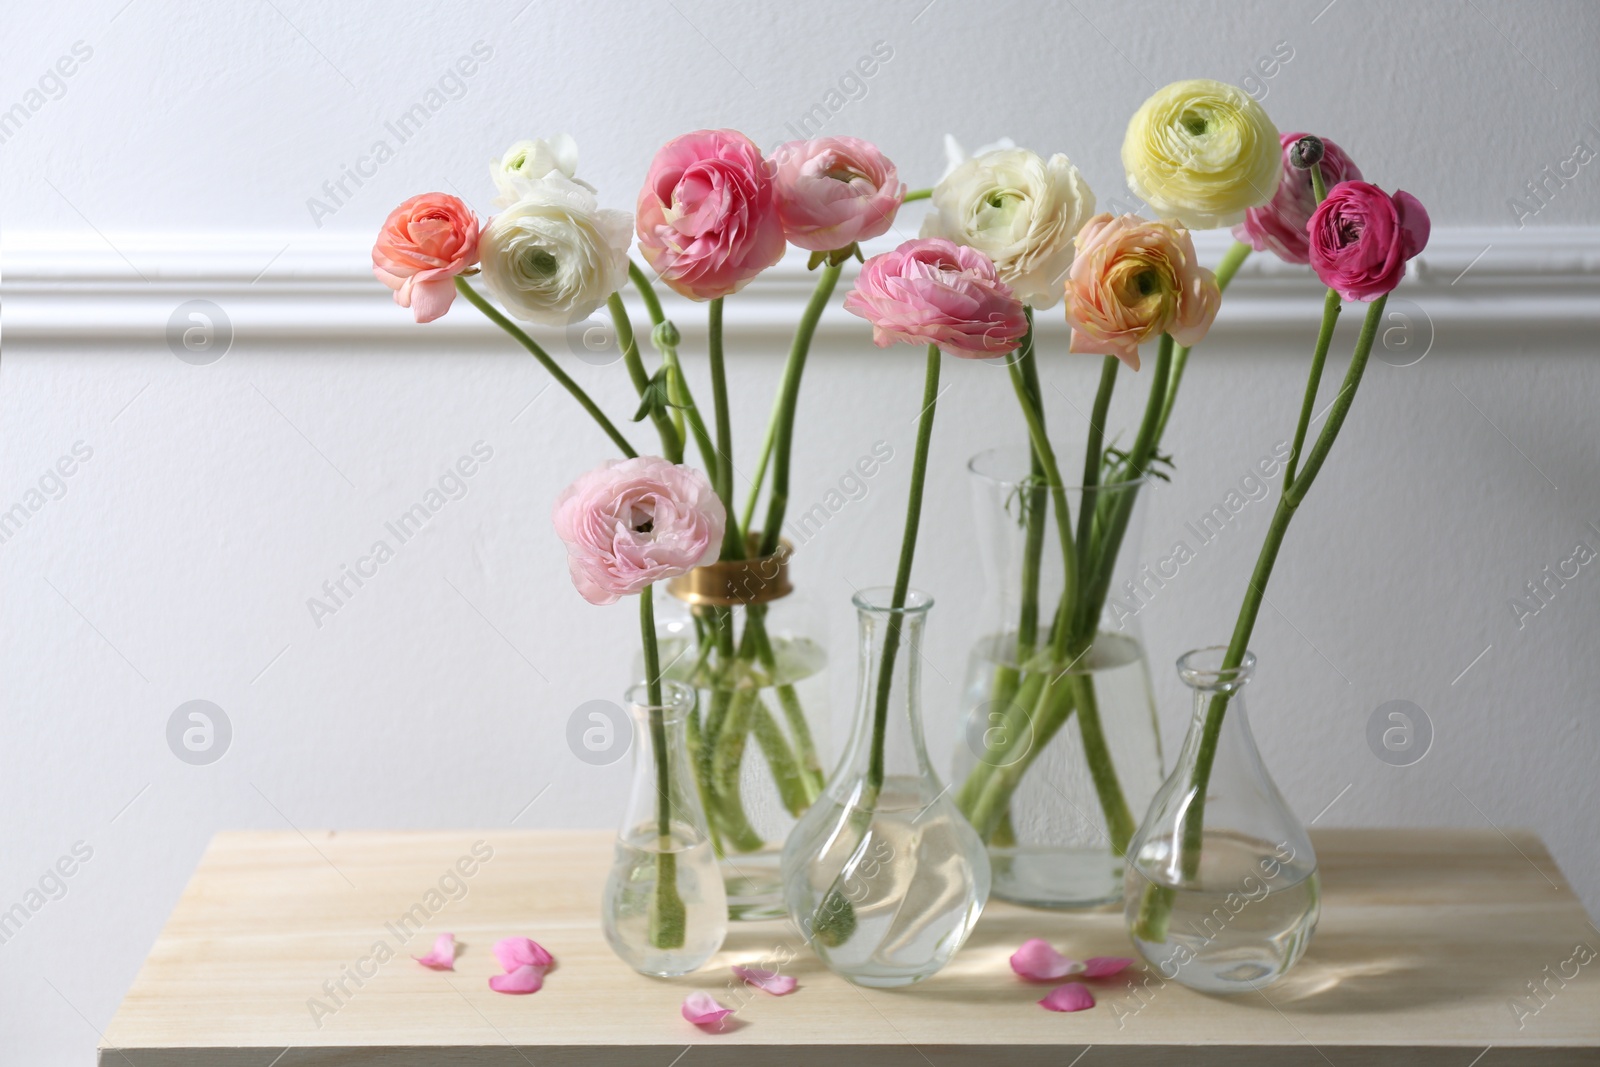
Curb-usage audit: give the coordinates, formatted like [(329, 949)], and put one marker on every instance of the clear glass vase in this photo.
[(1059, 749), (664, 910), (883, 876), (1222, 893), (743, 641)]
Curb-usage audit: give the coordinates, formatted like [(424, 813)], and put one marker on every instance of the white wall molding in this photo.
[(86, 289)]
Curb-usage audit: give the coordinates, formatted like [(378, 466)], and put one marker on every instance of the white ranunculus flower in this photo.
[(1018, 209), (529, 161), (555, 255)]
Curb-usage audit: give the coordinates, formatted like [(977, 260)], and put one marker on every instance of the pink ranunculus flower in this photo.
[(1279, 226), (707, 219), (1361, 238), (834, 191), (934, 291), (424, 244), (1134, 280), (632, 522)]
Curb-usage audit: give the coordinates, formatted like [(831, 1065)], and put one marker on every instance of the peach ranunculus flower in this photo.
[(707, 218), (424, 244), (834, 191), (1134, 280)]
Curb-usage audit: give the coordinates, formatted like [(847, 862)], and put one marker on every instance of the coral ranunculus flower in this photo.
[(934, 291), (424, 244), (1361, 238), (1201, 152), (1134, 280), (707, 219)]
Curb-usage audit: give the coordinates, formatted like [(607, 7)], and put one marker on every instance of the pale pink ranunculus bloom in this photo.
[(707, 218), (424, 244), (1134, 280), (934, 291), (632, 522), (1279, 225), (1361, 238), (834, 191)]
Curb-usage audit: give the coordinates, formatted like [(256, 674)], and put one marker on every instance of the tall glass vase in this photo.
[(1060, 749), (883, 876), (664, 911), (1222, 893), (743, 641)]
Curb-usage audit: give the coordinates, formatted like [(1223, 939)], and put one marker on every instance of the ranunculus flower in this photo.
[(1361, 238), (528, 161), (934, 291), (424, 244), (1202, 152), (1019, 210), (555, 255), (632, 522), (834, 191), (707, 218), (1134, 280), (1280, 225)]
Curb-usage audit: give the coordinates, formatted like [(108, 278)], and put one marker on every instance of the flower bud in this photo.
[(1307, 152), (665, 336)]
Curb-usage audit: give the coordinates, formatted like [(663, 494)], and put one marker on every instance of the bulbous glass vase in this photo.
[(664, 911), (1221, 892), (883, 875)]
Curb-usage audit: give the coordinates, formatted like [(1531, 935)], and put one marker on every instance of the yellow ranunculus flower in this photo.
[(1202, 152)]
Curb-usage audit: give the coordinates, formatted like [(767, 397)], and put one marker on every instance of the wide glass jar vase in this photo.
[(1059, 750), (744, 642)]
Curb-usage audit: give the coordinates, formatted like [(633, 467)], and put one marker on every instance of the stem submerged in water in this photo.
[(668, 916)]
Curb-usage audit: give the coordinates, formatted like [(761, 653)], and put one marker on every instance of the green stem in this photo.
[(747, 516), (1331, 306), (561, 376), (916, 194), (668, 915), (1091, 465), (1227, 267), (671, 443), (733, 539), (902, 577), (789, 395), (1058, 493)]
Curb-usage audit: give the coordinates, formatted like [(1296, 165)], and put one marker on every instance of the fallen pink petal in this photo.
[(1105, 966), (443, 956), (702, 1009), (514, 952), (1073, 996), (525, 979), (769, 981), (1038, 962)]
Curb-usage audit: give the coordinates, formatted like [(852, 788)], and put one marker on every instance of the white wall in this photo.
[(176, 565)]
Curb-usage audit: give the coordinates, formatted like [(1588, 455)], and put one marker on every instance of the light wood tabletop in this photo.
[(1455, 948)]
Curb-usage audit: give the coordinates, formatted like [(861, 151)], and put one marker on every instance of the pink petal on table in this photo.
[(1074, 996), (525, 979), (702, 1009), (1038, 962), (770, 981), (514, 952), (1105, 966), (443, 956)]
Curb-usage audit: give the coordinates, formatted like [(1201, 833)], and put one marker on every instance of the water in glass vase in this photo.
[(890, 896), (631, 889), (1052, 848), (1242, 923)]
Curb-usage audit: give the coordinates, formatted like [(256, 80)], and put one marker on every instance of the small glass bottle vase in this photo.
[(664, 911), (1059, 751), (1221, 891), (883, 876)]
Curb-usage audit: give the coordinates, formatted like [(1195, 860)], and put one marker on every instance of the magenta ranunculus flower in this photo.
[(1279, 226), (934, 291), (834, 191), (707, 219), (1361, 238), (424, 244), (632, 522)]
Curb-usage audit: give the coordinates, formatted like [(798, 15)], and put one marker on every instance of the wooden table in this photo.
[(1428, 942)]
